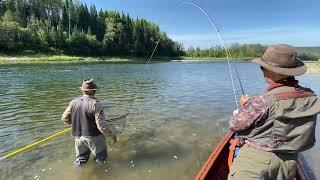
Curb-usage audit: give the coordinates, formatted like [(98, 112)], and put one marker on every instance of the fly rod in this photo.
[(228, 54)]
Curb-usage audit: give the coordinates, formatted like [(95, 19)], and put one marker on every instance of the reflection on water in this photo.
[(179, 111)]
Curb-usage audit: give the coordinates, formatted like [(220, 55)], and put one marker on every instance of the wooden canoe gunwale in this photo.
[(218, 158), (214, 156)]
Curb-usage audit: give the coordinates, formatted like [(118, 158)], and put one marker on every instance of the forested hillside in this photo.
[(70, 27)]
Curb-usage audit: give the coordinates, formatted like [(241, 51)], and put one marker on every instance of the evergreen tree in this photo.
[(93, 22), (22, 12), (65, 16), (2, 8), (10, 5), (43, 25), (101, 26)]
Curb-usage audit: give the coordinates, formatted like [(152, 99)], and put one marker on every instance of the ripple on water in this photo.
[(179, 111)]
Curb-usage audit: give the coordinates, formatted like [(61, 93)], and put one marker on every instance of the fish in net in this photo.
[(116, 120)]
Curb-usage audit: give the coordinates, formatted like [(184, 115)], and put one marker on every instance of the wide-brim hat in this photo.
[(281, 59), (88, 85)]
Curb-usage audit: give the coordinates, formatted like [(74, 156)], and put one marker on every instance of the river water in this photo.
[(179, 111)]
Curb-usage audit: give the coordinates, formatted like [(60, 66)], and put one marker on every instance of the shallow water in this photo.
[(179, 111)]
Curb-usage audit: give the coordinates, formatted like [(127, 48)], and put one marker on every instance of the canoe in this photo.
[(216, 167)]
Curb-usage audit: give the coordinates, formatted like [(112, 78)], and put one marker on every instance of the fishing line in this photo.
[(120, 128), (155, 48), (228, 54), (238, 77)]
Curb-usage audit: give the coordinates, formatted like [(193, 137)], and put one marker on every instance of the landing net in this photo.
[(117, 119)]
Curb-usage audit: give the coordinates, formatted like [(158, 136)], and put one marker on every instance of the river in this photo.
[(179, 111)]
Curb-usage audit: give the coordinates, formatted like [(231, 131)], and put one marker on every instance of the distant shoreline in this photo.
[(66, 59), (188, 58), (48, 59), (313, 67)]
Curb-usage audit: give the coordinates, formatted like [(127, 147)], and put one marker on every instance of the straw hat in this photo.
[(281, 59), (88, 85)]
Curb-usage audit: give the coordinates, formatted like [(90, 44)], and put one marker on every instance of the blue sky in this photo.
[(295, 22)]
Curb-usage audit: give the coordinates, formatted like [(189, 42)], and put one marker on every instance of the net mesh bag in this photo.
[(116, 120)]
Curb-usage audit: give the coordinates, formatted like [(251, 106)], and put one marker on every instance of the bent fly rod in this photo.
[(228, 54)]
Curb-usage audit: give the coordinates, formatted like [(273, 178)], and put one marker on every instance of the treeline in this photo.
[(309, 53), (249, 51), (236, 50), (71, 27)]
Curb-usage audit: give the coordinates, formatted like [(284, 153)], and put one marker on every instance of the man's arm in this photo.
[(102, 123), (66, 116), (101, 120), (255, 109)]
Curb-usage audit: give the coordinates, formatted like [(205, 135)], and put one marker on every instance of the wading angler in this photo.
[(89, 127)]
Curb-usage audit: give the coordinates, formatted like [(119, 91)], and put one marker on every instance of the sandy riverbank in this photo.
[(54, 59), (21, 59), (313, 67)]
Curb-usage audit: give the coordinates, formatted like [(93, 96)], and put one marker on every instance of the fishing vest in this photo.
[(290, 125), (83, 118)]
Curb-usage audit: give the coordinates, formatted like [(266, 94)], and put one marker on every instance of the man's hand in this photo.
[(244, 100), (114, 139), (235, 111)]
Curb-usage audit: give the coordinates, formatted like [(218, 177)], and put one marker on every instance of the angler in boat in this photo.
[(89, 127), (275, 126)]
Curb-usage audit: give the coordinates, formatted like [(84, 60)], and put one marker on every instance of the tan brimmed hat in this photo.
[(88, 85), (281, 59)]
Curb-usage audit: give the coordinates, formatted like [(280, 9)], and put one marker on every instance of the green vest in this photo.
[(290, 125)]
